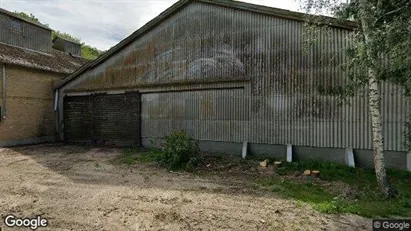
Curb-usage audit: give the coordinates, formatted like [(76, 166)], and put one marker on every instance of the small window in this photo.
[(16, 25)]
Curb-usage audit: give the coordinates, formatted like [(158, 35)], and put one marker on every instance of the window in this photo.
[(16, 25)]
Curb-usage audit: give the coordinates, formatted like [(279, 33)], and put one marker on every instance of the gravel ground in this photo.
[(81, 188)]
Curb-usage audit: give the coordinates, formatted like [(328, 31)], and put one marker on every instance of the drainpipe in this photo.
[(56, 111), (56, 100), (3, 108)]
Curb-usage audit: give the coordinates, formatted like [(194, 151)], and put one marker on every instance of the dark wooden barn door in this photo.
[(103, 119)]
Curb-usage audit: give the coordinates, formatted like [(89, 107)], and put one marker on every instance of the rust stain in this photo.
[(140, 70), (150, 50), (207, 108)]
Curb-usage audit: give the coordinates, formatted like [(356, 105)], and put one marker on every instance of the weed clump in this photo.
[(180, 151)]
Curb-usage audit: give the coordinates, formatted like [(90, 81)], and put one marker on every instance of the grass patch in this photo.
[(303, 192), (368, 203), (136, 154), (364, 178), (315, 195), (330, 171)]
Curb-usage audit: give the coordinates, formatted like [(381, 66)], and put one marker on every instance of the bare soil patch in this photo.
[(82, 188)]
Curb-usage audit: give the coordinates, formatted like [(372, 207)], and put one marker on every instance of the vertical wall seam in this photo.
[(4, 85)]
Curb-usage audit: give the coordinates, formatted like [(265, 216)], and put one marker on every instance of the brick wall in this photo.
[(102, 118), (30, 105)]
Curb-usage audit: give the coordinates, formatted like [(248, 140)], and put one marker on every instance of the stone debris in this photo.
[(264, 163)]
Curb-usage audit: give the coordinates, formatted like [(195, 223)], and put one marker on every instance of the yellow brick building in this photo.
[(29, 70)]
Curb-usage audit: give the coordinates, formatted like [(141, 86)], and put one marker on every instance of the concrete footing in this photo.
[(349, 157), (245, 147), (362, 158), (409, 162), (289, 153)]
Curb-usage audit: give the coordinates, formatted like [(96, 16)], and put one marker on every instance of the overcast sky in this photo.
[(103, 23)]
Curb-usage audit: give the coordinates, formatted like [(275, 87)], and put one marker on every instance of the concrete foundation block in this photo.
[(349, 157), (245, 147), (409, 162), (289, 153)]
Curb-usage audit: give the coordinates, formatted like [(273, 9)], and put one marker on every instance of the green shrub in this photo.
[(180, 151), (129, 156)]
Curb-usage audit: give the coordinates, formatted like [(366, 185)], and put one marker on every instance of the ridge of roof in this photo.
[(66, 40), (271, 11)]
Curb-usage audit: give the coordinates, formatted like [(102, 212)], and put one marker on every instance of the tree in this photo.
[(87, 51), (380, 52), (65, 36), (29, 17)]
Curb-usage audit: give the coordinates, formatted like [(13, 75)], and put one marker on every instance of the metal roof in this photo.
[(56, 61), (66, 40)]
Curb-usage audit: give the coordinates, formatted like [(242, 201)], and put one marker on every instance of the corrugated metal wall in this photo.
[(67, 46), (30, 36), (281, 100), (206, 114), (72, 48)]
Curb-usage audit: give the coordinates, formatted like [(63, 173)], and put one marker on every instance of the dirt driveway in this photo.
[(79, 188)]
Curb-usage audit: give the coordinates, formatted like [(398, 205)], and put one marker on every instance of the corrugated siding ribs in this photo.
[(277, 64)]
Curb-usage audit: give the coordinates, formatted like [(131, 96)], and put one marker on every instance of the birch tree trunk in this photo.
[(378, 140), (374, 98)]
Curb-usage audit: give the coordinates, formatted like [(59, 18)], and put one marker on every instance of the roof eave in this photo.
[(36, 67), (282, 13)]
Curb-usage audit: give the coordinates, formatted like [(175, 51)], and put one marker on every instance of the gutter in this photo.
[(3, 107)]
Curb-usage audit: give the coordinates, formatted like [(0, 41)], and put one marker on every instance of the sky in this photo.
[(104, 23)]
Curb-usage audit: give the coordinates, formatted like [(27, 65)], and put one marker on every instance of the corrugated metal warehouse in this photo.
[(229, 72)]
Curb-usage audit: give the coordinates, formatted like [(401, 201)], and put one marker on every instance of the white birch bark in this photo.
[(374, 99)]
